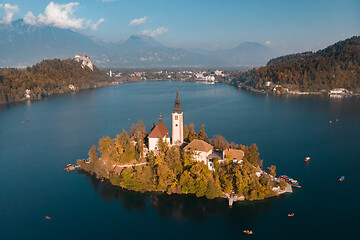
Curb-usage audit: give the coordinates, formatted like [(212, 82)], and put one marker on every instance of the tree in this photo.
[(105, 146), (252, 154), (283, 184), (132, 131), (213, 190), (93, 156), (186, 132), (192, 133), (272, 170), (140, 129), (220, 142), (202, 135)]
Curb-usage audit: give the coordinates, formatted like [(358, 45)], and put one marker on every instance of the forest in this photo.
[(47, 78), (172, 170), (337, 66)]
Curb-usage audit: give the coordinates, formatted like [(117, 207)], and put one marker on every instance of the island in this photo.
[(187, 163)]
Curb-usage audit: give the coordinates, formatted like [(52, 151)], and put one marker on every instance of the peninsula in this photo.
[(186, 163)]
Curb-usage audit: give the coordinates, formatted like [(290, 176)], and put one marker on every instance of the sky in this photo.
[(286, 26)]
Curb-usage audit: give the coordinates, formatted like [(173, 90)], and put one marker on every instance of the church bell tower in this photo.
[(177, 122)]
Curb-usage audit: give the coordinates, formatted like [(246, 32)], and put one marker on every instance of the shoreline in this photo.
[(230, 197), (294, 92), (239, 86)]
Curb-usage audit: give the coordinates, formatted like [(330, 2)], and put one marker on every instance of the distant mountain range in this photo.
[(22, 44)]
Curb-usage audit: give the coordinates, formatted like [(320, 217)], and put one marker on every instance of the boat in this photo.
[(290, 181), (307, 159), (342, 178), (71, 167), (295, 184), (249, 232), (291, 214)]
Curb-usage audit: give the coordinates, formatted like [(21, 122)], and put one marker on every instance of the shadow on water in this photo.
[(179, 207)]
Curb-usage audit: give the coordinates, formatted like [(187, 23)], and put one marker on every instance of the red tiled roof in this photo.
[(159, 131), (199, 145), (235, 153)]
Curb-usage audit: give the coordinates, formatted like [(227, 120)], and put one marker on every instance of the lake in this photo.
[(38, 139)]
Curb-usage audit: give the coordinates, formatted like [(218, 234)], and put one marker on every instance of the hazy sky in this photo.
[(286, 26)]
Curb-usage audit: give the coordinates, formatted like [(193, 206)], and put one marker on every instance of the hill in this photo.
[(47, 78), (337, 66)]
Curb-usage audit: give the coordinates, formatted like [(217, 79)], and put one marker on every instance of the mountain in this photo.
[(22, 44), (337, 66), (245, 54)]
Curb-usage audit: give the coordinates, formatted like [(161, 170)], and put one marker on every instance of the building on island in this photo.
[(177, 122), (160, 131), (201, 150), (235, 155)]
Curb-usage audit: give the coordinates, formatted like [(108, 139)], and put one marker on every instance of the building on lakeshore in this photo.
[(160, 131)]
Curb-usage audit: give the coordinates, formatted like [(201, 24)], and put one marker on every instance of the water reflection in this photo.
[(180, 207)]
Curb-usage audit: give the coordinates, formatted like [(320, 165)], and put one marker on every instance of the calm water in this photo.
[(33, 155)]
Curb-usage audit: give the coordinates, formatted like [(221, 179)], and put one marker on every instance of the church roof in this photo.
[(177, 108), (198, 145), (159, 131)]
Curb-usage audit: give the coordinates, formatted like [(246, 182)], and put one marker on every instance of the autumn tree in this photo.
[(219, 142), (202, 135)]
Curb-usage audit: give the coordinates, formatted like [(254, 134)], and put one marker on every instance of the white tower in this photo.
[(177, 122)]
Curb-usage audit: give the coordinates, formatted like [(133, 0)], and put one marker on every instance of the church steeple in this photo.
[(177, 122), (177, 108)]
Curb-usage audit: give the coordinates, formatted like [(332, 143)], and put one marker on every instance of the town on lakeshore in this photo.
[(185, 163)]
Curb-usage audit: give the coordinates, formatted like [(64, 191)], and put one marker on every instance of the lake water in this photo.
[(60, 130)]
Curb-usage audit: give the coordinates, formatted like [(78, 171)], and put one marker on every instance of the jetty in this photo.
[(233, 198)]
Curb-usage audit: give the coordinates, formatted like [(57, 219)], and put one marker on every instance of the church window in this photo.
[(176, 117), (176, 125)]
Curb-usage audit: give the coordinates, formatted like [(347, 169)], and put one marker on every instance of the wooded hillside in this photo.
[(47, 78), (337, 66)]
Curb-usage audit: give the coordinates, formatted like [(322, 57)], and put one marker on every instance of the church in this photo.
[(160, 131)]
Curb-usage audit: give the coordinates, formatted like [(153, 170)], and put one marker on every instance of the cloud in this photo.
[(268, 43), (156, 32), (10, 11), (108, 0), (137, 21), (62, 16)]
